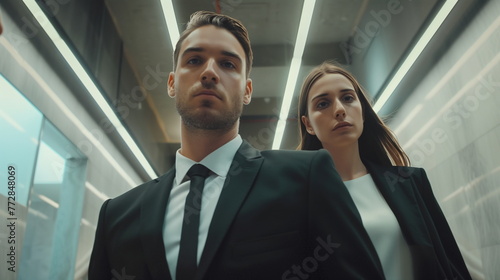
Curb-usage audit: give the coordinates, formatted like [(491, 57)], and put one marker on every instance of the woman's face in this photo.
[(335, 114)]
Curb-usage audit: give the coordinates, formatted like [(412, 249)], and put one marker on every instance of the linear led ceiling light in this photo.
[(89, 84), (300, 42), (169, 15), (414, 54), (71, 117)]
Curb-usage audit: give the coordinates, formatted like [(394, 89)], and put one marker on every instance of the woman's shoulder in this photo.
[(397, 170)]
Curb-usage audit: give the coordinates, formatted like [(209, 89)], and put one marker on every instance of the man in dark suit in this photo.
[(259, 215)]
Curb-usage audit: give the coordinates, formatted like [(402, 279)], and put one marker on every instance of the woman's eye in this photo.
[(322, 104), (348, 98)]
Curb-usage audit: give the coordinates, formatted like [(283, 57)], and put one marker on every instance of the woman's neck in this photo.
[(348, 162)]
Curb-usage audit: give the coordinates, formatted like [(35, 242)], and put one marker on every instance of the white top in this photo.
[(218, 162), (382, 227)]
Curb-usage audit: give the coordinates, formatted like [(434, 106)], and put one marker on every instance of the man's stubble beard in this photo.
[(205, 120)]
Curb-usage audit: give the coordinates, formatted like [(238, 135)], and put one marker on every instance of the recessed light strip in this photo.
[(75, 121), (451, 72), (170, 19), (415, 53), (96, 192), (305, 22), (87, 81), (48, 201)]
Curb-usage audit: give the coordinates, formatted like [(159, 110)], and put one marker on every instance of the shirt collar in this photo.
[(219, 161)]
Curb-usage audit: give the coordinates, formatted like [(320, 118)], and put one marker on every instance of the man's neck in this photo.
[(196, 144)]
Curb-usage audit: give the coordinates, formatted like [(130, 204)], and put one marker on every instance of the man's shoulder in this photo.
[(293, 154), (131, 196), (134, 194), (249, 151), (296, 159)]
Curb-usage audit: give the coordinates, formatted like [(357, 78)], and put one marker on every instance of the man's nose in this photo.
[(210, 72)]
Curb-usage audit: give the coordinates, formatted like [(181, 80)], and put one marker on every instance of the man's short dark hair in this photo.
[(202, 18)]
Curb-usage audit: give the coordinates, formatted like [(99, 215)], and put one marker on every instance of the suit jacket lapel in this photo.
[(397, 187), (239, 181), (154, 205)]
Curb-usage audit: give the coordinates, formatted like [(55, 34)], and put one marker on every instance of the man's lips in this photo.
[(207, 93), (341, 125)]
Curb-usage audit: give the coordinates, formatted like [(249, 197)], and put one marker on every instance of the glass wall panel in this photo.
[(20, 124), (55, 209), (44, 206)]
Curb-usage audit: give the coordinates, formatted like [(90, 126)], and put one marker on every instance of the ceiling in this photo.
[(369, 37), (272, 26)]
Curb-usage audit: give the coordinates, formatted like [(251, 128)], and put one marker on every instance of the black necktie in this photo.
[(186, 263)]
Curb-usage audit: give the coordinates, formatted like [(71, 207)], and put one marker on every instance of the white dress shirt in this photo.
[(382, 227), (219, 162)]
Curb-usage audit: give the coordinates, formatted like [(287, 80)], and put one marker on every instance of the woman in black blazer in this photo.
[(408, 230)]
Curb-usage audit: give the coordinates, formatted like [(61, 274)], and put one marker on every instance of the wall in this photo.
[(108, 172), (450, 125)]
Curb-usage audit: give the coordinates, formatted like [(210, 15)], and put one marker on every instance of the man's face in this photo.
[(209, 83)]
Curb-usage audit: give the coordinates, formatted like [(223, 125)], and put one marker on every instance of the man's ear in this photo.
[(247, 97), (307, 124), (170, 85)]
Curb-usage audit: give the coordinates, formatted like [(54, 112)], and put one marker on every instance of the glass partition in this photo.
[(44, 206), (20, 127)]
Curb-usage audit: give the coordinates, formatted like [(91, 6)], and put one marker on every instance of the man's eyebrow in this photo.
[(199, 50), (231, 54), (191, 50)]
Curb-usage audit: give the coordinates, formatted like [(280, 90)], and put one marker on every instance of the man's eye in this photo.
[(228, 64), (194, 61)]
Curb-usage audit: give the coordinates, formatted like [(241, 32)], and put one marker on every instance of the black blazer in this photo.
[(281, 215), (409, 194)]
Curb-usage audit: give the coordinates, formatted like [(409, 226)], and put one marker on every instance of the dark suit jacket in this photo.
[(409, 194), (281, 215)]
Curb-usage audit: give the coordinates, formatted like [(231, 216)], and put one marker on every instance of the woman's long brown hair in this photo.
[(377, 142)]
